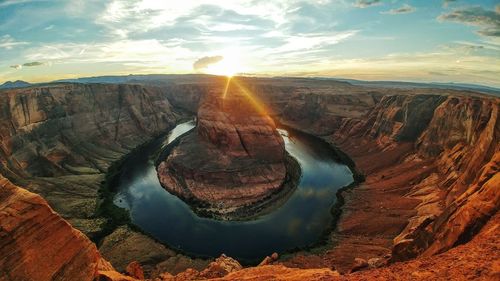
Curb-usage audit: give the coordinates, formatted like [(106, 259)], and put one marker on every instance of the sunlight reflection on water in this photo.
[(298, 222)]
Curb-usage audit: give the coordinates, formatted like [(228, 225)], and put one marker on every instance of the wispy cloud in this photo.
[(29, 64), (141, 53), (367, 3), (7, 42), (446, 3), (487, 20), (262, 36), (6, 3), (405, 9), (313, 41)]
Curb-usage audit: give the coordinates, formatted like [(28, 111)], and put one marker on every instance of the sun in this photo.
[(228, 66)]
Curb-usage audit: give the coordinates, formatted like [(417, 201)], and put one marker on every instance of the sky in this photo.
[(404, 40)]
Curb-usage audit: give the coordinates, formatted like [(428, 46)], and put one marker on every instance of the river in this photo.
[(299, 222)]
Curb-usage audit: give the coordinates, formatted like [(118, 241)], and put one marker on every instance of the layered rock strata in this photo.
[(431, 163), (37, 244), (59, 140), (32, 232), (235, 158), (430, 157)]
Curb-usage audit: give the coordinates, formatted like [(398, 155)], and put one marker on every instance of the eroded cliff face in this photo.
[(467, 148), (431, 159), (432, 171), (59, 140), (234, 159), (74, 129), (37, 244)]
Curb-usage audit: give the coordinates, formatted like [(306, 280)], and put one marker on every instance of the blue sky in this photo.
[(431, 40)]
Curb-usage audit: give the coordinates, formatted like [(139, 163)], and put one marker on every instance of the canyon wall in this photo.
[(67, 254), (58, 141), (431, 160), (431, 163)]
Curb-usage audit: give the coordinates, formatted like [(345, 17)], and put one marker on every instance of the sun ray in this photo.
[(227, 86), (258, 105)]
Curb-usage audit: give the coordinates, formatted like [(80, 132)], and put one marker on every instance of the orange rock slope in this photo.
[(431, 166), (36, 244), (39, 245)]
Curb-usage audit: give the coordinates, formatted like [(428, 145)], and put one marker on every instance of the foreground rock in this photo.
[(124, 246), (134, 269), (69, 255), (234, 160), (36, 244)]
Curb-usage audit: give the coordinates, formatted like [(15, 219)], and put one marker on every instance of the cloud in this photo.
[(413, 66), (6, 3), (34, 63), (367, 3), (28, 64), (405, 9), (447, 2), (304, 42), (206, 61), (487, 20), (7, 42), (124, 18), (142, 54)]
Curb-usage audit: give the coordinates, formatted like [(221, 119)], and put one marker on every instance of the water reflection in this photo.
[(297, 223)]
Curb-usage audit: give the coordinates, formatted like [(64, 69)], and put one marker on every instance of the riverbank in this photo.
[(244, 213), (325, 243)]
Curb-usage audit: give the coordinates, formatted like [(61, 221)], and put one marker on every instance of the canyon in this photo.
[(425, 207)]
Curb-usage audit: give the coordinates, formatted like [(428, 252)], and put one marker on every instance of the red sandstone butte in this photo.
[(234, 158)]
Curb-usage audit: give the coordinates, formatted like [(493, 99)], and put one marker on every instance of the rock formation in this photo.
[(135, 270), (69, 255), (36, 244), (234, 159), (59, 140), (431, 161), (64, 137), (429, 204)]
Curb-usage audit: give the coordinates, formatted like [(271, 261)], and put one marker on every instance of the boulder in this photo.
[(134, 269), (359, 264)]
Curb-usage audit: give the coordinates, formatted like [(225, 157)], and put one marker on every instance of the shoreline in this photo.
[(244, 213)]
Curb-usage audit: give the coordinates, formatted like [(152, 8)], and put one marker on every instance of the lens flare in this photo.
[(258, 105), (226, 89)]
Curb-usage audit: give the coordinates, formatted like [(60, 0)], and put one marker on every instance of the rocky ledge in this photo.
[(233, 164)]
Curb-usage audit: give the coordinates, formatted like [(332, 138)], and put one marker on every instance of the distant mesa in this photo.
[(15, 84)]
